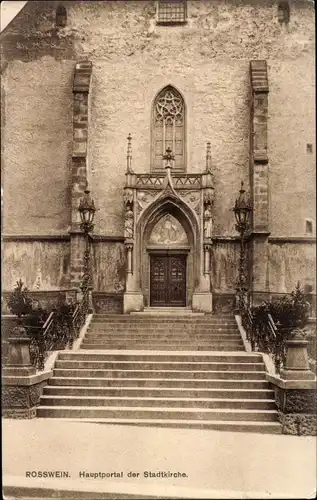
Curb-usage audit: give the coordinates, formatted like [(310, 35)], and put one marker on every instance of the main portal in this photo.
[(168, 280)]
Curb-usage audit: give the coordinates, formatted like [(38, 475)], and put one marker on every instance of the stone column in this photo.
[(202, 296), (81, 88), (259, 181)]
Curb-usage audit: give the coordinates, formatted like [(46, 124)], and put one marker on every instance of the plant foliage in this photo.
[(288, 312), (20, 302)]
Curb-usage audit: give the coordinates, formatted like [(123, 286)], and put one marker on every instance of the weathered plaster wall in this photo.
[(290, 263), (108, 266), (224, 258), (291, 126), (42, 265), (37, 138)]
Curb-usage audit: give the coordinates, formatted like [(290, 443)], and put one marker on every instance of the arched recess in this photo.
[(177, 208), (168, 129)]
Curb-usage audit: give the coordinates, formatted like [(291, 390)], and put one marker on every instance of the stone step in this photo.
[(180, 374), (167, 317), (155, 365), (163, 322), (94, 339), (219, 425), (157, 413), (159, 382), (163, 356), (182, 334), (167, 347), (158, 392), (152, 333), (147, 402)]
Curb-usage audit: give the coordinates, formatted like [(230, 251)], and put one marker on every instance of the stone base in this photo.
[(16, 413), (18, 371), (21, 394), (297, 375), (298, 424), (202, 302), (132, 301)]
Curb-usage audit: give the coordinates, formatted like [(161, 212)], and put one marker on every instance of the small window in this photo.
[(61, 16), (283, 12), (309, 226), (309, 148), (171, 11)]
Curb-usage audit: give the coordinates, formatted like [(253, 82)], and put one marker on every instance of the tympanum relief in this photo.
[(168, 231)]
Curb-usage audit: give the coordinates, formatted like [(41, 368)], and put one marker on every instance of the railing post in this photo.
[(21, 385)]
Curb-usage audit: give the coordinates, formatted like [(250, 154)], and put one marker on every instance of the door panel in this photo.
[(168, 280)]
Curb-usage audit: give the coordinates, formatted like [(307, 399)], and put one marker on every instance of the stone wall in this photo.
[(290, 263), (108, 266), (41, 265)]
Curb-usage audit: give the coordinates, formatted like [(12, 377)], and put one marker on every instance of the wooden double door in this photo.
[(168, 280)]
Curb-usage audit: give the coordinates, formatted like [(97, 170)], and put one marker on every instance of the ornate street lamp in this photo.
[(87, 211), (242, 210)]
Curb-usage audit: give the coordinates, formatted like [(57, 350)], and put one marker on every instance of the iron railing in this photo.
[(59, 332), (265, 336)]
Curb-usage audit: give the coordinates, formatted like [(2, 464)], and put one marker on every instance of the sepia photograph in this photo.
[(158, 249)]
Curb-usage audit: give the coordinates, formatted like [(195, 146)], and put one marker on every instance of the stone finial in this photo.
[(168, 157), (129, 154), (208, 157)]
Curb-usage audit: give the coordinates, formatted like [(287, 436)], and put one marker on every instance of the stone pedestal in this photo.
[(295, 389), (132, 301), (202, 302), (297, 364), (18, 362), (21, 386)]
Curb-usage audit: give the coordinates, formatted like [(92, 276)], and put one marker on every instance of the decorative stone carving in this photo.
[(208, 223), (296, 401), (208, 197), (15, 397), (144, 198), (128, 197), (192, 198), (168, 231), (21, 401), (108, 303), (298, 424), (129, 224)]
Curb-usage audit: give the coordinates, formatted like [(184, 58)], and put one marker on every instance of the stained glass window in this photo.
[(168, 129)]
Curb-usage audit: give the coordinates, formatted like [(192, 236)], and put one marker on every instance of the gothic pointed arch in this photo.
[(173, 209), (168, 129)]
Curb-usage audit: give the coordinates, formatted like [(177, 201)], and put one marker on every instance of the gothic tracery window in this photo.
[(171, 11), (168, 129)]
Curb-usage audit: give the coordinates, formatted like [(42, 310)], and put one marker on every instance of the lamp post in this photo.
[(87, 211), (242, 210)]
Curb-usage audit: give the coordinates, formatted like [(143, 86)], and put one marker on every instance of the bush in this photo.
[(20, 302)]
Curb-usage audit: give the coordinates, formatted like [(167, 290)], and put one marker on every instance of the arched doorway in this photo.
[(167, 253)]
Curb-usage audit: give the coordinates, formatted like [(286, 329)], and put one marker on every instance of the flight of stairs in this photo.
[(181, 370)]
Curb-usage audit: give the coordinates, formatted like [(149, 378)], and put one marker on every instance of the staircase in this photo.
[(182, 370)]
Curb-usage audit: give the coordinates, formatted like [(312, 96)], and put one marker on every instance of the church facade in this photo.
[(161, 108)]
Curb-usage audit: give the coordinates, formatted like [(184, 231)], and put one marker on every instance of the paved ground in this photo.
[(216, 464)]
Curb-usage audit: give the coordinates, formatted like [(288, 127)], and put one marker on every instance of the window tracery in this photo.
[(169, 128)]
